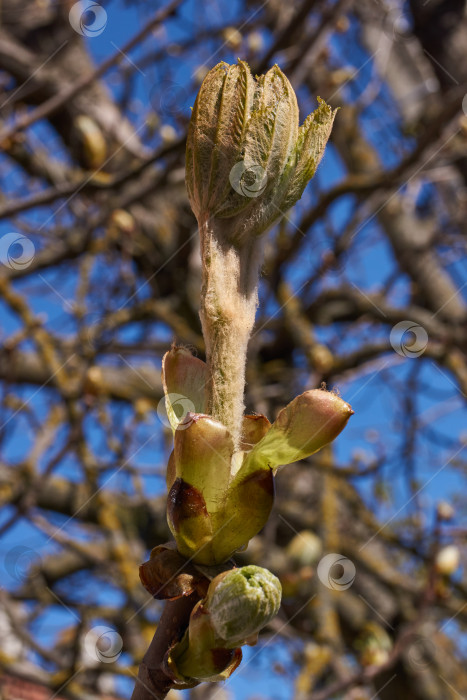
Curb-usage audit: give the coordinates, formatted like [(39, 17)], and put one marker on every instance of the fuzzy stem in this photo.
[(229, 297)]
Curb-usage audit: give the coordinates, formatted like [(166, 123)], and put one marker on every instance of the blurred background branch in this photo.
[(364, 289)]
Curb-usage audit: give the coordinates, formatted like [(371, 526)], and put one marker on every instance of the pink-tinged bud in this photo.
[(311, 421), (184, 379), (253, 430)]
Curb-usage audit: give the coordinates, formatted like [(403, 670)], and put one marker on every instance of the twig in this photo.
[(152, 682), (53, 103)]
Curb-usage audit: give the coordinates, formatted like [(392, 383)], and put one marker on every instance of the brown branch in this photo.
[(284, 38), (153, 683), (86, 184), (363, 184), (370, 673), (53, 103)]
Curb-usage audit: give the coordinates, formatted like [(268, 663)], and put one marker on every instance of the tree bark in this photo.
[(153, 683)]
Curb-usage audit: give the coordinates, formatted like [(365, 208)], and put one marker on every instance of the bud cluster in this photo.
[(247, 162), (237, 605), (220, 496)]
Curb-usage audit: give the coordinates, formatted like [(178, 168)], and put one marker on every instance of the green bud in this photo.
[(200, 655), (221, 496), (208, 519), (184, 379), (254, 429), (203, 450), (202, 457), (242, 601), (247, 161), (309, 422), (238, 604)]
